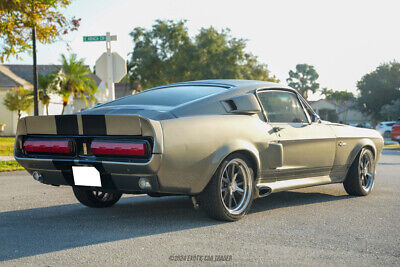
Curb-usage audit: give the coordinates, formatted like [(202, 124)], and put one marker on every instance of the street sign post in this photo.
[(110, 67)]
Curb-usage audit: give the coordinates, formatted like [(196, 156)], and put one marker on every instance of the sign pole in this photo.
[(110, 78)]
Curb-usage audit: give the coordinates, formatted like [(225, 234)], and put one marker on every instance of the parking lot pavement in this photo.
[(44, 225)]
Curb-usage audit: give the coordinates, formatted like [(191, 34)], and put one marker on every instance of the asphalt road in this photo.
[(44, 225)]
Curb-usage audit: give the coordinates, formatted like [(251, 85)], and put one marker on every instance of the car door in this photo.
[(308, 147)]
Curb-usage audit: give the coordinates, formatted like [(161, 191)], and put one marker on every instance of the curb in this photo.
[(391, 148)]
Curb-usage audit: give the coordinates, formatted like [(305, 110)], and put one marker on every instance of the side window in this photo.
[(282, 106)]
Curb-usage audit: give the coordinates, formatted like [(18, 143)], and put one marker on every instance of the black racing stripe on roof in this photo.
[(67, 124)]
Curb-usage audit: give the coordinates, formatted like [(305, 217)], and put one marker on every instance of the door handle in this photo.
[(277, 129)]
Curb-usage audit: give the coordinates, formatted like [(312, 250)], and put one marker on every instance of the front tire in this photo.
[(229, 194), (361, 176), (96, 198)]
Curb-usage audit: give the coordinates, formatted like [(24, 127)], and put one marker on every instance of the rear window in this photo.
[(169, 96)]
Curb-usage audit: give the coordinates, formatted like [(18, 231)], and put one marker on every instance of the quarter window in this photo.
[(282, 106)]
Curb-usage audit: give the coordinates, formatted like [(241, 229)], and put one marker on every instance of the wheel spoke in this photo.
[(230, 201), (365, 162), (233, 171), (239, 190), (225, 195), (234, 176), (234, 199)]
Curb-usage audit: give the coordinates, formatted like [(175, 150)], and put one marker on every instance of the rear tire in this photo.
[(361, 176), (230, 192), (95, 198)]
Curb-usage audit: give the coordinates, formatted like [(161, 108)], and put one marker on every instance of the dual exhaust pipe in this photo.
[(264, 191)]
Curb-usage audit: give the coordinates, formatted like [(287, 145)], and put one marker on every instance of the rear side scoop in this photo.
[(242, 104), (93, 125)]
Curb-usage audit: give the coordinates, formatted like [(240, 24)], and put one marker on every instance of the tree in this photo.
[(303, 79), (18, 99), (391, 111), (18, 17), (167, 54), (379, 88), (47, 85), (74, 79), (337, 96)]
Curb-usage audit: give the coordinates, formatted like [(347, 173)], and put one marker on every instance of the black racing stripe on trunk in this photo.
[(106, 180), (66, 170), (94, 125), (67, 125)]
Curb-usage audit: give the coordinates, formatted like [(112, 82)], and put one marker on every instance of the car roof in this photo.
[(228, 83)]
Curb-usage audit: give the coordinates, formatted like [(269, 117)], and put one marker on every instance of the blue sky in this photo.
[(342, 39)]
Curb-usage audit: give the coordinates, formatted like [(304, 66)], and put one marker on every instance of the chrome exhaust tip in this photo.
[(144, 184), (37, 176), (264, 191)]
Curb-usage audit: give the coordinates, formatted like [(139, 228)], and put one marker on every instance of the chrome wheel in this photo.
[(236, 186), (366, 172)]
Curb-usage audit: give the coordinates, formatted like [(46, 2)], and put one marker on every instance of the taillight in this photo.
[(119, 148), (48, 146)]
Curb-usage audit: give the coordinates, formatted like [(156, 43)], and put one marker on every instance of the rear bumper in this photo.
[(120, 176)]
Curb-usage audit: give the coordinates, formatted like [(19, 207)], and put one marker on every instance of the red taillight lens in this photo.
[(48, 146), (119, 148)]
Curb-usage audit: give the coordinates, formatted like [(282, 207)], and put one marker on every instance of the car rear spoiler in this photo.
[(92, 125)]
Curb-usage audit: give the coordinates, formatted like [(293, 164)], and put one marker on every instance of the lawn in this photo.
[(11, 165), (6, 146), (6, 149)]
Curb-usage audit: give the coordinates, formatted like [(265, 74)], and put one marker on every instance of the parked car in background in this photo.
[(396, 131), (364, 125), (385, 128)]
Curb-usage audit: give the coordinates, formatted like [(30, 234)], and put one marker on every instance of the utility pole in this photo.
[(35, 75)]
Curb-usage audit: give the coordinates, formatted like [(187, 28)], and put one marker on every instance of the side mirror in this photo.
[(315, 118)]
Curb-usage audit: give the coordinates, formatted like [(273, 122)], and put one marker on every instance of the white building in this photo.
[(345, 113)]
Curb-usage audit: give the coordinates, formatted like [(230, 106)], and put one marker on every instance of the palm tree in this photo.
[(74, 79), (46, 86), (18, 99)]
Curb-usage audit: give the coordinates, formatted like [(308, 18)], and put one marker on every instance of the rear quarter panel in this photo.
[(195, 146), (352, 140)]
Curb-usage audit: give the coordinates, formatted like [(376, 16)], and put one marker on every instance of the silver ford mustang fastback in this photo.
[(221, 142)]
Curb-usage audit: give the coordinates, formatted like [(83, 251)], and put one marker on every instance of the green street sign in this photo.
[(98, 38)]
